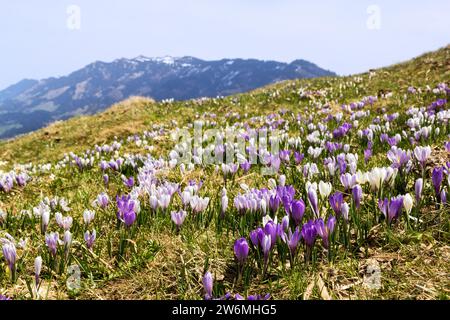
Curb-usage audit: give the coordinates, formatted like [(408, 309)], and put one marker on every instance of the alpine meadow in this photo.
[(333, 187)]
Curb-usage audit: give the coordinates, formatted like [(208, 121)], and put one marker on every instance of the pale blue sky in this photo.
[(36, 42)]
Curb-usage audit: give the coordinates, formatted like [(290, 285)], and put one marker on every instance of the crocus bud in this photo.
[(443, 196), (309, 233), (129, 217), (336, 200), (266, 246), (241, 250), (313, 201), (292, 240), (297, 211), (282, 180), (254, 237), (285, 223), (51, 240), (357, 195), (224, 201), (105, 179), (325, 231), (271, 229), (67, 238), (408, 203), (345, 209), (10, 254), (437, 177), (418, 189), (45, 219), (208, 285), (89, 238), (37, 269), (274, 203)]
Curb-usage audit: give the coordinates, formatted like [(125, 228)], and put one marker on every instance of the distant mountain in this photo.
[(31, 104)]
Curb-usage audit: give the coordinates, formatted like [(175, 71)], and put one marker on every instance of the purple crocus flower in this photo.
[(128, 182), (287, 204), (284, 155), (341, 163), (105, 179), (237, 296), (447, 146), (398, 157), (313, 200), (395, 208), (391, 209), (10, 254), (437, 177), (102, 200), (357, 195), (241, 250), (367, 155), (259, 297), (298, 157), (309, 233), (336, 200), (325, 230), (275, 162), (4, 298), (348, 180), (104, 165), (89, 238), (271, 229), (274, 203), (418, 186), (208, 285), (297, 211), (422, 154), (52, 240), (254, 237), (266, 245), (129, 217), (245, 166), (21, 179), (342, 130), (126, 210), (178, 217), (292, 240), (286, 193)]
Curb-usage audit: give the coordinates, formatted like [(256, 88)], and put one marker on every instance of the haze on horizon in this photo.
[(44, 39)]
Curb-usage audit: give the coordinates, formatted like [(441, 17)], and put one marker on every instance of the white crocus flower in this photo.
[(361, 177), (282, 180), (408, 203), (272, 183), (324, 189)]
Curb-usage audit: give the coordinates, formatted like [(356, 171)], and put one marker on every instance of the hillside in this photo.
[(32, 104), (352, 153), (137, 114)]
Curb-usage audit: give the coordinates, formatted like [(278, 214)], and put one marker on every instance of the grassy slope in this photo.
[(414, 264), (136, 115)]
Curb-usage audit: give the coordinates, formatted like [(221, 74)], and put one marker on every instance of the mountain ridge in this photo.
[(31, 104)]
